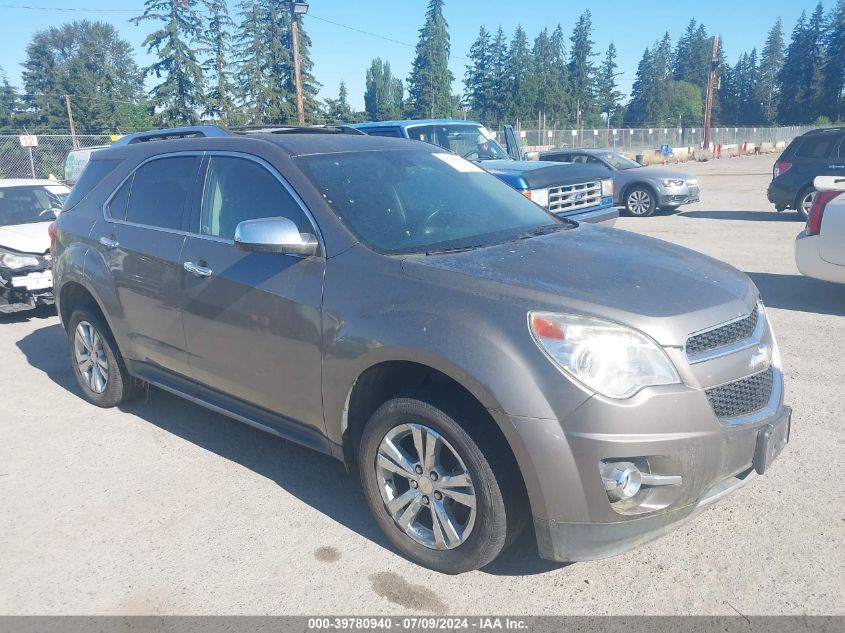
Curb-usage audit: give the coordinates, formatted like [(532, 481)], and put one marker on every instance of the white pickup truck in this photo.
[(820, 247)]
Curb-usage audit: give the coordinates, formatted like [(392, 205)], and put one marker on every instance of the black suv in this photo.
[(817, 153)]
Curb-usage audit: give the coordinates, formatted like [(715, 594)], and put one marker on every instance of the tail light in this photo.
[(53, 232), (814, 220), (781, 168)]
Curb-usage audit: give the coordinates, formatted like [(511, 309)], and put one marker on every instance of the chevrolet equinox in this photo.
[(484, 365)]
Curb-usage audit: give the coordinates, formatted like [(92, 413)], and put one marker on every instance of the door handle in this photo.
[(197, 269), (109, 242)]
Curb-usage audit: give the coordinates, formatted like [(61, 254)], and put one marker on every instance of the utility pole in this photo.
[(297, 8), (74, 141), (711, 78)]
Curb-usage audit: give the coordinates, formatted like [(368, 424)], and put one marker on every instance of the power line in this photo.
[(78, 9)]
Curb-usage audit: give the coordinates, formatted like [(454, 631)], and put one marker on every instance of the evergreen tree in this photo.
[(9, 103), (88, 61), (643, 106), (801, 80), (479, 94), (179, 96), (430, 83), (384, 94), (771, 63), (522, 87), (692, 56), (499, 59), (338, 110), (559, 92), (655, 98), (834, 69), (608, 98), (581, 69), (217, 38)]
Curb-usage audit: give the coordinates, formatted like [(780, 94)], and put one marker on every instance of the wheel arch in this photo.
[(638, 184)]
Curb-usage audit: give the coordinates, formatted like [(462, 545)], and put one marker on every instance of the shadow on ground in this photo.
[(800, 293), (36, 314), (316, 479), (752, 216)]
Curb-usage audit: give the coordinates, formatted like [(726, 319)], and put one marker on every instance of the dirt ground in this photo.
[(162, 507)]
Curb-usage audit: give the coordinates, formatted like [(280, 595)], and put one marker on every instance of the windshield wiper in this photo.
[(454, 249), (565, 225)]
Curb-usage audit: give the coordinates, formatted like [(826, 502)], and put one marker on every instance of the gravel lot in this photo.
[(163, 507)]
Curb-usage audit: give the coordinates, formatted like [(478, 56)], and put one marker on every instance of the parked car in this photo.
[(27, 207), (639, 190), (76, 161), (816, 153), (479, 361), (820, 247), (581, 193)]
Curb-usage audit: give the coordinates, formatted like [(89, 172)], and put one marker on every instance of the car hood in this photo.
[(542, 174), (656, 172), (664, 290), (26, 238)]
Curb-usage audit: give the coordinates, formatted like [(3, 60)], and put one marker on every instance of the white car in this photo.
[(27, 207), (820, 247)]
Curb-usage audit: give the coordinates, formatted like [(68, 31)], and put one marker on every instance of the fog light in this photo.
[(622, 480)]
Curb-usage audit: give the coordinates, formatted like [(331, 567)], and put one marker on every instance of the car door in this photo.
[(252, 319), (140, 241)]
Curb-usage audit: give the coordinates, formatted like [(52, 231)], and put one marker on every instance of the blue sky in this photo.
[(344, 54)]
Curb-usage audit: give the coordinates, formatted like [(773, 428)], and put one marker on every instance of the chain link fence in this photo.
[(47, 159), (641, 140)]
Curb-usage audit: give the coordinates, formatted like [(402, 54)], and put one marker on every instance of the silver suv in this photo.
[(483, 364)]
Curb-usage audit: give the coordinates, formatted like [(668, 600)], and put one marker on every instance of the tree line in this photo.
[(237, 68)]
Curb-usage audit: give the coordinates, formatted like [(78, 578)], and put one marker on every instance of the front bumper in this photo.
[(605, 214), (25, 291), (676, 196), (579, 541)]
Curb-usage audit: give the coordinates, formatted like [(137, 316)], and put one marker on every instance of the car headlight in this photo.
[(614, 360), (607, 187), (540, 196), (672, 182), (15, 261)]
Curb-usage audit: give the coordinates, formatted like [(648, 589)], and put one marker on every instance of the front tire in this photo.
[(97, 363), (438, 497), (640, 202), (804, 201)]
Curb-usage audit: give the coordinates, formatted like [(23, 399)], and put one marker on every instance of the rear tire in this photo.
[(97, 363), (640, 202), (443, 534), (804, 200)]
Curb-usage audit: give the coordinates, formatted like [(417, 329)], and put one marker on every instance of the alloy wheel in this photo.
[(807, 203), (90, 355), (426, 486), (639, 202)]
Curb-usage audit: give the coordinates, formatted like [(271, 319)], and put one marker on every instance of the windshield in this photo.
[(31, 203), (619, 161), (411, 201), (473, 142)]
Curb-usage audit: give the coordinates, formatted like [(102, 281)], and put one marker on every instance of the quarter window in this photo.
[(239, 189), (159, 191), (117, 206)]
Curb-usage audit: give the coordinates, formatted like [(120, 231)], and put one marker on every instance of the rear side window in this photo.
[(117, 206), (93, 173), (817, 146), (159, 191)]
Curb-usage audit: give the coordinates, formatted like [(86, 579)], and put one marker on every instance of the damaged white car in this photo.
[(27, 207)]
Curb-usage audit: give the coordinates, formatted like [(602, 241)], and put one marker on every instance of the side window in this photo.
[(592, 160), (159, 190), (238, 189), (842, 148), (579, 158), (817, 146), (117, 206)]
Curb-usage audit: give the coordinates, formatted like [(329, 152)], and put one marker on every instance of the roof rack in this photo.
[(196, 131), (826, 129), (317, 129)]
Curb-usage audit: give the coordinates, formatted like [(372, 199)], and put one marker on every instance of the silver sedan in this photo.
[(640, 190)]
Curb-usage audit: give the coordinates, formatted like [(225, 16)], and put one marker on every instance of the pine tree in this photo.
[(384, 94), (692, 56), (179, 96), (254, 94), (834, 69), (608, 98), (654, 98), (522, 87), (478, 80), (499, 60), (338, 110), (9, 103), (581, 68), (642, 107), (217, 38), (559, 93), (800, 77), (771, 63), (430, 83)]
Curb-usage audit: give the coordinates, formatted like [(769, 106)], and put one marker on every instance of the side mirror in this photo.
[(274, 235)]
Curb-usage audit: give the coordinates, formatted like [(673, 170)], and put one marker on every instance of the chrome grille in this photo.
[(722, 335), (742, 396), (573, 197)]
